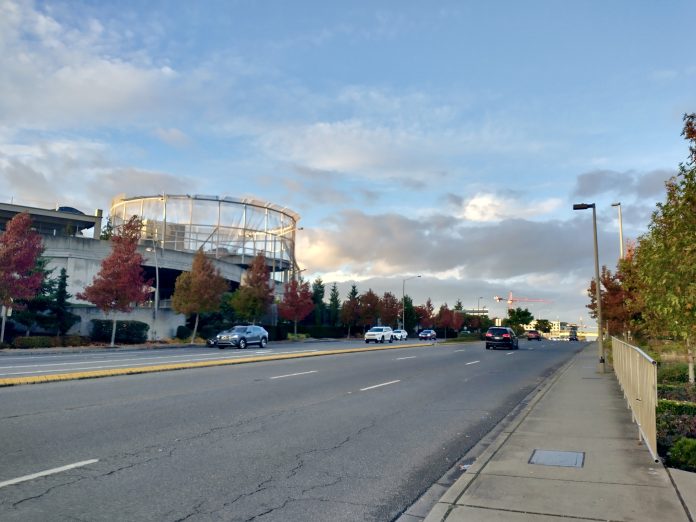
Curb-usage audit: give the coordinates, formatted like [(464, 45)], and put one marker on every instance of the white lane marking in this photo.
[(402, 358), (472, 362), (379, 385), (509, 353), (47, 472), (460, 351), (292, 374)]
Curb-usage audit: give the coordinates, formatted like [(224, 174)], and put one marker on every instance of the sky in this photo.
[(447, 139)]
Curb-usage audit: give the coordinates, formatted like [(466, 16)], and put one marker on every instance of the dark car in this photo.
[(573, 336), (501, 337), (241, 337), (533, 335), (427, 335)]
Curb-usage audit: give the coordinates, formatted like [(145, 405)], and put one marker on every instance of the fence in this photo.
[(637, 375)]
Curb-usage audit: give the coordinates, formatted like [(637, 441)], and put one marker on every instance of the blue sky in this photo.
[(448, 139)]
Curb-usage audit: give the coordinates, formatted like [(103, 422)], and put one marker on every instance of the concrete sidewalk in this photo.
[(581, 419)]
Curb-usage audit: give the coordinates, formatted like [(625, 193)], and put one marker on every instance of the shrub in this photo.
[(676, 407), (75, 340), (183, 332), (683, 454), (36, 341), (297, 337), (673, 373), (208, 331), (674, 420), (127, 332), (677, 392)]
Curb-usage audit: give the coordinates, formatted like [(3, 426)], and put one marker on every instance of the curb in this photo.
[(15, 381)]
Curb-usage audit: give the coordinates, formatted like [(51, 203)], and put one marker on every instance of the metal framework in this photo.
[(231, 229)]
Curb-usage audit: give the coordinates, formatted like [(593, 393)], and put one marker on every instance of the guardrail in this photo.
[(637, 375)]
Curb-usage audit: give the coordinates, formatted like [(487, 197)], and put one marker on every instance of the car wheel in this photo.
[(242, 344), (381, 340), (488, 347), (263, 342), (367, 342), (391, 340)]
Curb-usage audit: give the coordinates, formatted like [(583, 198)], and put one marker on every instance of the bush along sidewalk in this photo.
[(676, 433)]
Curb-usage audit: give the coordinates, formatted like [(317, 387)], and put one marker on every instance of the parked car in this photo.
[(242, 336), (573, 336), (379, 334), (428, 335), (533, 335), (501, 337), (400, 335)]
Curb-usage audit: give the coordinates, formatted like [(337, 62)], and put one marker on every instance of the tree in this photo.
[(64, 319), (370, 307), (390, 309), (108, 231), (666, 254), (334, 305), (37, 310), (20, 247), (457, 320), (518, 317), (543, 325), (425, 314), (254, 296), (614, 311), (458, 306), (350, 310), (121, 280), (297, 302), (318, 291), (443, 319), (200, 290), (410, 317)]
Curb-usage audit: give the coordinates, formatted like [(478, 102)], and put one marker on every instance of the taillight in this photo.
[(488, 334), (506, 336)]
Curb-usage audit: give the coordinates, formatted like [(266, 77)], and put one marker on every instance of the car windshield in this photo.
[(238, 329), (498, 331), (375, 329)]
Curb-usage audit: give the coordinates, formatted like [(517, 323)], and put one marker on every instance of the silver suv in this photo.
[(379, 334), (242, 336)]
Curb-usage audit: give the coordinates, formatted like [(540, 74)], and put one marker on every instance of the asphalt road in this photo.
[(341, 438)]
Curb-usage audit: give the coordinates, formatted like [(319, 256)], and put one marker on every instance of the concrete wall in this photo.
[(165, 327)]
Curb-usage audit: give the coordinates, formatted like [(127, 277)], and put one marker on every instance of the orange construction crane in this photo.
[(512, 300)]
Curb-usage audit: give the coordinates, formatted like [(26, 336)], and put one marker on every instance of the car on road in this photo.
[(379, 334), (427, 335), (501, 337), (533, 335), (573, 336), (242, 336), (400, 335)]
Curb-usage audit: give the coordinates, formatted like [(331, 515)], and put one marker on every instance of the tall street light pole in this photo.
[(601, 368), (621, 252), (403, 300), (154, 311)]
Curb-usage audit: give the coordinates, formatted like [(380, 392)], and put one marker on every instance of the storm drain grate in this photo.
[(566, 459)]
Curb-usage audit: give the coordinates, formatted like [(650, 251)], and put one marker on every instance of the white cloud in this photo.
[(494, 207), (173, 137)]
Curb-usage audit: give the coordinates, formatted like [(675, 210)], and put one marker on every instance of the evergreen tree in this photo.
[(350, 310), (64, 319), (334, 305), (318, 291)]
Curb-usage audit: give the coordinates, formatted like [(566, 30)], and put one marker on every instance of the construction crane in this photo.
[(511, 300)]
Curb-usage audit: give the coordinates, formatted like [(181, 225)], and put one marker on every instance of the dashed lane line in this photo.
[(380, 385), (472, 362), (403, 358), (293, 374), (47, 472)]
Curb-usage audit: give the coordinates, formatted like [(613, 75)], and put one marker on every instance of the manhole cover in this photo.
[(566, 459)]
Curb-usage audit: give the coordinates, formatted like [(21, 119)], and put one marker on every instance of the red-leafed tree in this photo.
[(425, 314), (297, 302), (391, 309), (120, 283), (20, 247), (350, 309), (369, 309), (200, 290), (457, 320), (443, 319)]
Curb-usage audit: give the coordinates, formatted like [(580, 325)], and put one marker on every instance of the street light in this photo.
[(403, 300), (153, 249), (478, 305), (621, 255), (598, 295)]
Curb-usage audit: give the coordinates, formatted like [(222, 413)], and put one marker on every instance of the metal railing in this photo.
[(637, 375)]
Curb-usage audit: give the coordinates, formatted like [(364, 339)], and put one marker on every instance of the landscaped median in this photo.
[(14, 381)]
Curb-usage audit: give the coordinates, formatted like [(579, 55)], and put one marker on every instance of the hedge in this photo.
[(127, 332), (676, 407), (683, 454), (673, 373), (677, 392), (49, 341)]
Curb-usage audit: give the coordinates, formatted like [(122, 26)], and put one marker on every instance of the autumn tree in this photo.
[(443, 319), (666, 254), (255, 295), (334, 305), (120, 283), (425, 314), (457, 320), (20, 247), (614, 311), (200, 290), (350, 310), (390, 309), (370, 307), (297, 302)]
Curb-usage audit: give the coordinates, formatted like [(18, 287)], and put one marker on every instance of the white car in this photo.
[(379, 334), (400, 335)]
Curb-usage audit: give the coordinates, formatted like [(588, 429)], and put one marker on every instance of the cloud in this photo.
[(495, 207), (56, 76), (173, 137), (644, 185)]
